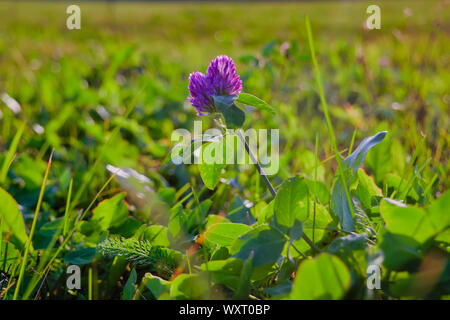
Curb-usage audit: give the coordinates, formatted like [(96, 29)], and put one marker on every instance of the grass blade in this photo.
[(11, 153), (33, 227), (36, 279), (67, 211), (327, 116), (90, 285)]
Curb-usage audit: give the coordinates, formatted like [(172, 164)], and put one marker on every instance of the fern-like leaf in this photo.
[(142, 253)]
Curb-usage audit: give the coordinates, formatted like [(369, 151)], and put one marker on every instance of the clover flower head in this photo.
[(201, 94), (220, 79)]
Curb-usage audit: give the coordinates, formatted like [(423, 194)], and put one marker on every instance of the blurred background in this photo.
[(74, 86)]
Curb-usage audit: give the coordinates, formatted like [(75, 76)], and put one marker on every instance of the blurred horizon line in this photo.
[(205, 1)]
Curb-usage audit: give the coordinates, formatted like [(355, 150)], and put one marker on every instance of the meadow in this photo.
[(87, 179)]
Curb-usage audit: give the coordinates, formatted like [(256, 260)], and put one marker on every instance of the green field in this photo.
[(110, 95)]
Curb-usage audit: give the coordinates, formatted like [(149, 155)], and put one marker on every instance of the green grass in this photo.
[(109, 96)]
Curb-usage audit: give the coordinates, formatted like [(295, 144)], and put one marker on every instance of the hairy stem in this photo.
[(257, 165), (268, 184)]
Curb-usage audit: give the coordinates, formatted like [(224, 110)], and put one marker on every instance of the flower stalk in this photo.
[(256, 163), (222, 80), (269, 185)]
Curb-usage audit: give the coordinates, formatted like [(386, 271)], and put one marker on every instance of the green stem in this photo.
[(268, 184), (255, 162), (33, 227), (5, 255), (327, 116)]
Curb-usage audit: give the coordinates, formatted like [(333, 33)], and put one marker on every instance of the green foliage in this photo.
[(223, 234), (108, 107), (244, 287), (339, 202), (291, 202), (157, 235), (324, 277), (80, 256), (12, 218), (192, 286), (142, 254), (129, 288), (111, 212), (213, 155), (251, 100), (408, 231), (156, 285), (263, 244), (225, 272), (418, 224), (234, 117)]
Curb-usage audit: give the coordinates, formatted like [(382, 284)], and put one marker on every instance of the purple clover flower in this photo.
[(220, 79), (201, 94)]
